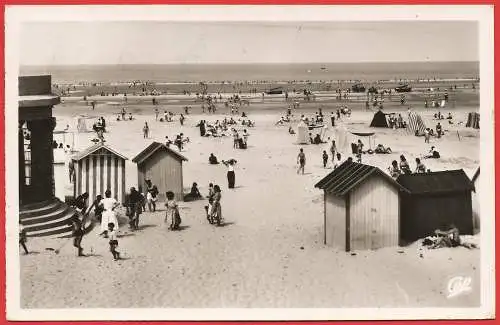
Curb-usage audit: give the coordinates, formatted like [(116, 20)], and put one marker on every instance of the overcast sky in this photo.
[(71, 43)]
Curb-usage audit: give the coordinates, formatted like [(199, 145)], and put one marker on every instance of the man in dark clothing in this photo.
[(332, 117), (135, 208)]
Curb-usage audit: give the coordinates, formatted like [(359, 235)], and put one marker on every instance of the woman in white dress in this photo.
[(109, 215)]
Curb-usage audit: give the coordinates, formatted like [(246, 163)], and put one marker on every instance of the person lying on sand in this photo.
[(383, 150)]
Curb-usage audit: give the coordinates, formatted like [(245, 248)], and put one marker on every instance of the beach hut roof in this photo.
[(448, 181), (90, 150), (152, 148), (348, 176)]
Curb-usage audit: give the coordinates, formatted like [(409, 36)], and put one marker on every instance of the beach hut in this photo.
[(302, 133), (435, 201), (97, 169), (473, 120), (163, 166), (379, 120), (361, 207), (415, 123)]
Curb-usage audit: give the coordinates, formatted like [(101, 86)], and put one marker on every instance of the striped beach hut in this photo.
[(97, 169), (415, 123)]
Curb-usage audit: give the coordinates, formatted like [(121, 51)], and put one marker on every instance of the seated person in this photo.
[(212, 159), (118, 118), (194, 194), (449, 116), (311, 140), (290, 130), (394, 170), (130, 116), (243, 114), (433, 153), (317, 139)]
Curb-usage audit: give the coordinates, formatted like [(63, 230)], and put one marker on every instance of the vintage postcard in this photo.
[(249, 162)]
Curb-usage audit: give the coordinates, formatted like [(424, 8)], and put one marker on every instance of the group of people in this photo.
[(240, 141), (179, 141)]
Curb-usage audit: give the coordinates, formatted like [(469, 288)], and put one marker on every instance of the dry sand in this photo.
[(271, 252)]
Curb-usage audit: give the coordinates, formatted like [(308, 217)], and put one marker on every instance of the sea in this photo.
[(190, 73)]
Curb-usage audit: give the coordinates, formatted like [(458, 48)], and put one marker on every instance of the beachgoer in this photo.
[(145, 130), (157, 112), (212, 159), (230, 172), (135, 208), (78, 230), (235, 139), (433, 153), (80, 203), (439, 130), (403, 164), (97, 208), (172, 211), (113, 241), (427, 135), (325, 158), (333, 150), (216, 213), (23, 238), (194, 194), (420, 166), (301, 161), (181, 119), (151, 195), (210, 198), (394, 170), (109, 205)]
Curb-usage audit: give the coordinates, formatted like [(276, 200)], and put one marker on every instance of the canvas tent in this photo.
[(302, 131), (473, 121), (415, 123), (379, 120), (345, 138)]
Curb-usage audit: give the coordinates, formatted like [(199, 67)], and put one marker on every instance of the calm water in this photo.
[(257, 72)]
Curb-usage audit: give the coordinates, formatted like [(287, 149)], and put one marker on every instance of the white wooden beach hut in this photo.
[(361, 208), (97, 169)]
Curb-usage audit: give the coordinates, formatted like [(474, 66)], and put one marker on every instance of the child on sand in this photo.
[(325, 158), (113, 242), (78, 231), (172, 213), (301, 161), (23, 238)]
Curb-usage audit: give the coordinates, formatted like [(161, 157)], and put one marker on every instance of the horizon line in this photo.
[(245, 63)]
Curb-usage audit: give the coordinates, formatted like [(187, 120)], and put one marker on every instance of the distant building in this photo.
[(435, 201), (361, 208), (97, 169), (163, 166)]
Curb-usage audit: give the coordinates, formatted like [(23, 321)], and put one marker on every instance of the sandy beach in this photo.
[(271, 252)]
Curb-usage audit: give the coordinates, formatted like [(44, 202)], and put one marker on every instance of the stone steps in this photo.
[(49, 220)]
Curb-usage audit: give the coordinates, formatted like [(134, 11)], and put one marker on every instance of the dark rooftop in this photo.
[(152, 148), (436, 182)]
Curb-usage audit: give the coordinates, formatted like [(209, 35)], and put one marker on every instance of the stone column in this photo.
[(42, 159)]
